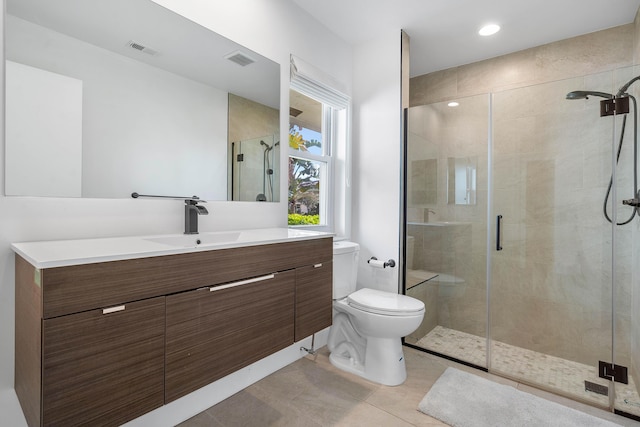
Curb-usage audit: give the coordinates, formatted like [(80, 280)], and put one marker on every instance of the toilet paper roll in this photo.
[(376, 263)]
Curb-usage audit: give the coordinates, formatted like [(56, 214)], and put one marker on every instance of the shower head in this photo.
[(264, 143), (584, 94)]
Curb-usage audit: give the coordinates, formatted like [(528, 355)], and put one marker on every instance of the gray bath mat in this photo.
[(461, 399)]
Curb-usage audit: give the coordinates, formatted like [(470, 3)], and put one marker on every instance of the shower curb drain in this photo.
[(596, 388)]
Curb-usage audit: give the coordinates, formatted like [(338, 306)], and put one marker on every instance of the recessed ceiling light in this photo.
[(453, 104), (488, 30)]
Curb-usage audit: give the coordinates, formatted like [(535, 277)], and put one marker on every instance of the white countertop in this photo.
[(59, 253)]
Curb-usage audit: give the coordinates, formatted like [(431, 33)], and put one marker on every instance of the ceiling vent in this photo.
[(142, 48), (294, 112), (240, 58)]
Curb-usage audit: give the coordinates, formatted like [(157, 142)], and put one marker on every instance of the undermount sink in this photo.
[(196, 240)]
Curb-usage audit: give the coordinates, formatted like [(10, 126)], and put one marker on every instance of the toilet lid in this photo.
[(382, 302)]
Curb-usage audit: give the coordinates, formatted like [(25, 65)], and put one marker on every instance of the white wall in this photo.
[(376, 157), (54, 147), (273, 28)]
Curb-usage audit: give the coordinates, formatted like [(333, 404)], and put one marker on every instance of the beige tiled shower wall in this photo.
[(578, 56), (551, 294)]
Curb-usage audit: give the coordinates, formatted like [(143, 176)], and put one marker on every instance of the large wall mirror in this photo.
[(109, 97)]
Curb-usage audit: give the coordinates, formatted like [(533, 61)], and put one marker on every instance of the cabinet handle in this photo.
[(112, 309), (242, 282), (499, 233), (317, 265)]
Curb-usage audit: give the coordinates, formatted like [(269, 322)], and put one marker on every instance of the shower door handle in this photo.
[(499, 233)]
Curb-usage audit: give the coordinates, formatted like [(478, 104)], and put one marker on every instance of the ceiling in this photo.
[(444, 32)]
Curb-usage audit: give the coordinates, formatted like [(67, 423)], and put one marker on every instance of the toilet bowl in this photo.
[(365, 338)]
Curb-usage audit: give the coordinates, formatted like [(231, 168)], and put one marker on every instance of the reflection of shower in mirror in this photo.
[(267, 173), (255, 169)]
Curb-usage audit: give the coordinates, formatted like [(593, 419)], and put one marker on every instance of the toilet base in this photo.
[(383, 362)]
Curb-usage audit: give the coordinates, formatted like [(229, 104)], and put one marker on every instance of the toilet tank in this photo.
[(345, 268)]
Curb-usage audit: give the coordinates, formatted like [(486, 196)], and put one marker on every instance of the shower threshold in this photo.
[(555, 374)]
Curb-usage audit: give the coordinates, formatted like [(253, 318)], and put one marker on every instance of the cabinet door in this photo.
[(104, 367), (212, 332), (314, 290)]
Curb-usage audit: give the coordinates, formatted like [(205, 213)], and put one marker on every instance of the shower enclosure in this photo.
[(507, 243)]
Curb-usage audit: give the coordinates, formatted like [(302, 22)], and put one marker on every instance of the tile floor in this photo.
[(553, 373), (311, 392)]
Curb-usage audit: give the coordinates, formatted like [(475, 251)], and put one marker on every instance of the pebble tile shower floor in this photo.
[(560, 375)]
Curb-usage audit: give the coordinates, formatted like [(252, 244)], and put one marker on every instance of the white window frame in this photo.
[(335, 184)]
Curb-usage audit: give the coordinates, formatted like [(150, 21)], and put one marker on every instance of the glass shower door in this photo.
[(626, 281), (556, 268), (446, 226)]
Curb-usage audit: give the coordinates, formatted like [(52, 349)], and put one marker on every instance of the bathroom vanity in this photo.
[(109, 329)]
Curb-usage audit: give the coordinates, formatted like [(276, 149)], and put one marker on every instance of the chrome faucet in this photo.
[(191, 211)]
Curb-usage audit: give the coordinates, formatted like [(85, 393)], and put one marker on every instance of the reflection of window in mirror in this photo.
[(424, 182), (461, 180)]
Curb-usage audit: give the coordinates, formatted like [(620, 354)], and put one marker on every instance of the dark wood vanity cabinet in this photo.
[(212, 332), (314, 291), (103, 367), (104, 343)]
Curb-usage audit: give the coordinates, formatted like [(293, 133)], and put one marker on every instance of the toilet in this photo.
[(368, 324)]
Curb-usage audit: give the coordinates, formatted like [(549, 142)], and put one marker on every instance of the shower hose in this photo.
[(635, 162)]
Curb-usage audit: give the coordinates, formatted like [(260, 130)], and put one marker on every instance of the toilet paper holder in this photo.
[(373, 262)]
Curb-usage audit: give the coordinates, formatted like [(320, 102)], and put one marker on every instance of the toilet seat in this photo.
[(385, 303)]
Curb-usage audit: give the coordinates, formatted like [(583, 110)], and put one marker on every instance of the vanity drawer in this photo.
[(103, 367), (213, 332), (78, 288)]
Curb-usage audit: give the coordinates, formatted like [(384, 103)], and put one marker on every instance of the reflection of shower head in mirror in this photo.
[(268, 147)]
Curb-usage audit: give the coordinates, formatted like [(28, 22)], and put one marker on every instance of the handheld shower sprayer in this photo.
[(623, 96), (585, 94)]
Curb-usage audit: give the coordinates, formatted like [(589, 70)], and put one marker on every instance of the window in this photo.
[(318, 151)]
